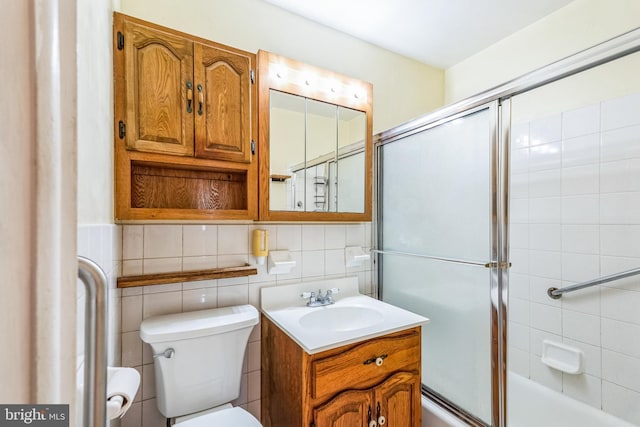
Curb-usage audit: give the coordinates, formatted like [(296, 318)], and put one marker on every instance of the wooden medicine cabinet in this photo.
[(316, 143), (185, 125)]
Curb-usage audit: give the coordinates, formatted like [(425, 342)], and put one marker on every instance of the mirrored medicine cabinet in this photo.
[(315, 143)]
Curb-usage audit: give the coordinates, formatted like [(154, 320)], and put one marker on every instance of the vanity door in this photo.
[(351, 408)]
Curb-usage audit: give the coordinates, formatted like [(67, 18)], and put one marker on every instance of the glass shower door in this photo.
[(436, 219)]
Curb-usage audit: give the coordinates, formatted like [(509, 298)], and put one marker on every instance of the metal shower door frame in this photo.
[(500, 96)]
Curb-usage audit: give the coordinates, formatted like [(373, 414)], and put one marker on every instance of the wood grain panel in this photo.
[(282, 373), (151, 93), (223, 130), (348, 409), (186, 276), (348, 369), (399, 399), (158, 66), (169, 188)]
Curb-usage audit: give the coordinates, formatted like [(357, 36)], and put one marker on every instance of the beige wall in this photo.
[(575, 27), (16, 192), (403, 88), (95, 113)]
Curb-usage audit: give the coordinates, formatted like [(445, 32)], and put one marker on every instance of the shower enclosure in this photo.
[(485, 205)]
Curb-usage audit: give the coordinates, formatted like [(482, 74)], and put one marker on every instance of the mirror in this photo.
[(317, 155), (315, 143)]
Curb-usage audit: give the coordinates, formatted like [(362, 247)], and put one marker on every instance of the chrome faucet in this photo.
[(317, 300)]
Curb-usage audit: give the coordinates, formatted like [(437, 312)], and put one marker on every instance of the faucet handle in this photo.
[(333, 291), (308, 295)]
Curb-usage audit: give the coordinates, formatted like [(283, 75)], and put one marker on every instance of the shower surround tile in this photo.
[(582, 225)]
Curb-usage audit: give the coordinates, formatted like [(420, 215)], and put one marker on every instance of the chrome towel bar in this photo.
[(437, 258), (556, 293)]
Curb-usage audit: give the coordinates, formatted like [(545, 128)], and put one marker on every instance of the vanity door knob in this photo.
[(378, 360), (381, 420), (373, 423)]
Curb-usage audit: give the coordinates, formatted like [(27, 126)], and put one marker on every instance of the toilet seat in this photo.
[(236, 417)]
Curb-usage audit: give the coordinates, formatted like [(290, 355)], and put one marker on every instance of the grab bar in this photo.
[(95, 343), (457, 261), (556, 293)]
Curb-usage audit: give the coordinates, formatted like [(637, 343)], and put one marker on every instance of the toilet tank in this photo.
[(205, 368)]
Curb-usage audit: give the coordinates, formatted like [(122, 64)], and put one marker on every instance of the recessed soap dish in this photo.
[(562, 357)]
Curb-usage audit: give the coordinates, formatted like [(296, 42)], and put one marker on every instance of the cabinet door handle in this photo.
[(200, 99), (381, 419), (189, 97), (370, 422), (378, 360)]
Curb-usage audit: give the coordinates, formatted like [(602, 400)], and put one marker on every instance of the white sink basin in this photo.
[(354, 317), (337, 318)]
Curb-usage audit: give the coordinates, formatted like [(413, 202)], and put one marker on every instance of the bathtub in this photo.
[(530, 404)]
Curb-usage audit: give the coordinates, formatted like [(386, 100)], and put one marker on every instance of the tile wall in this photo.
[(317, 248), (102, 244), (575, 216)]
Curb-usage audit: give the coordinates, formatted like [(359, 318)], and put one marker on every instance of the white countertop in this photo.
[(365, 318)]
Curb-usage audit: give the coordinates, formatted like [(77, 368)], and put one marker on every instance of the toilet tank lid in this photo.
[(193, 324)]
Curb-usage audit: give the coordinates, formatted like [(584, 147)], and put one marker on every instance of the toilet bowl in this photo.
[(230, 416), (198, 359)]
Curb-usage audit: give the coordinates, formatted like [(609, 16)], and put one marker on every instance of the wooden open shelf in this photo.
[(186, 276), (170, 187)]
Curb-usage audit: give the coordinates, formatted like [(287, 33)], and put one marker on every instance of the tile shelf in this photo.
[(186, 276)]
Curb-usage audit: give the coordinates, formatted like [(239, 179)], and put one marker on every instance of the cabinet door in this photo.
[(222, 104), (348, 409), (398, 401), (158, 69)]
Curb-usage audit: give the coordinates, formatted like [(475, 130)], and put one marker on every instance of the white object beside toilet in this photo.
[(198, 359)]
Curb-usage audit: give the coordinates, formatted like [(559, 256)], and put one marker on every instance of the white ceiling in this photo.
[(436, 32)]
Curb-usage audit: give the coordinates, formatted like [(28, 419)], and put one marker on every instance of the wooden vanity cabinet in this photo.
[(185, 117), (341, 387)]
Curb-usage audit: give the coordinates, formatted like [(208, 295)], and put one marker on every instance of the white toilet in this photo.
[(198, 359)]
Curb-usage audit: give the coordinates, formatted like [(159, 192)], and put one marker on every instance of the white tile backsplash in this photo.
[(162, 241), (233, 239), (313, 237), (132, 241), (199, 240), (317, 248)]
